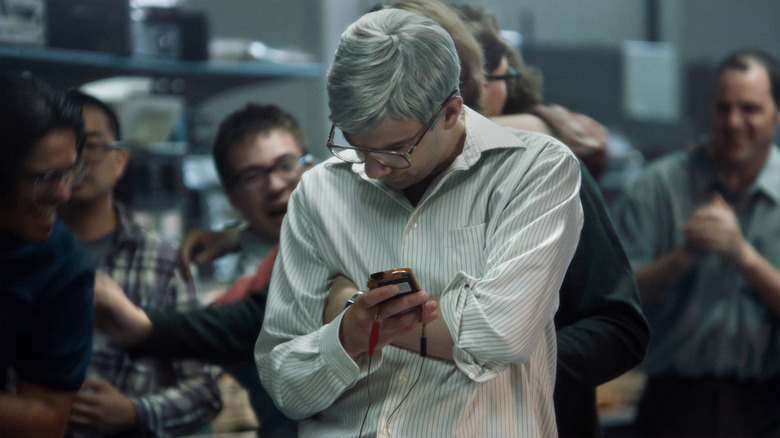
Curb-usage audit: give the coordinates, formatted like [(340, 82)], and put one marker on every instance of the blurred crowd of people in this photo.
[(529, 291)]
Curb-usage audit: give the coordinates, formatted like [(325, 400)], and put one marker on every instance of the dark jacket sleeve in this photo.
[(601, 330), (225, 334)]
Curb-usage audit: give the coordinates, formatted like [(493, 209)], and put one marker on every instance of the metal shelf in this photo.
[(65, 68)]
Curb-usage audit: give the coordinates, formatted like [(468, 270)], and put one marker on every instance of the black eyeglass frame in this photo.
[(114, 145), (405, 155), (300, 164), (512, 73), (93, 151)]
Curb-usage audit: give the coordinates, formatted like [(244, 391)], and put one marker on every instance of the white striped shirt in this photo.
[(493, 235)]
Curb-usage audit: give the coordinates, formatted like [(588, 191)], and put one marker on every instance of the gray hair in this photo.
[(390, 63)]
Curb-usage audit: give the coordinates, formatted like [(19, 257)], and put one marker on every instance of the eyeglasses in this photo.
[(95, 151), (47, 182), (392, 159), (288, 169), (510, 76)]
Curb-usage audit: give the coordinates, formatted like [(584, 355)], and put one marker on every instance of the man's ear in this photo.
[(452, 111), (123, 158)]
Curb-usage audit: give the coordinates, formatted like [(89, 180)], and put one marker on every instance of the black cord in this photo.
[(419, 373), (368, 386), (423, 353)]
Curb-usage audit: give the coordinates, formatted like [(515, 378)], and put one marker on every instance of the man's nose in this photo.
[(61, 191), (375, 169), (277, 182), (735, 117)]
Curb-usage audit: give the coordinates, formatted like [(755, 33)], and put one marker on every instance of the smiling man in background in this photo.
[(45, 278), (702, 230), (122, 394)]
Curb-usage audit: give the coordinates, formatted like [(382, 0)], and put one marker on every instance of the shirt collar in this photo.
[(767, 181), (482, 135), (129, 230)]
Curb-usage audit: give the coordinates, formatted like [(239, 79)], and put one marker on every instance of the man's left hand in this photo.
[(715, 228)]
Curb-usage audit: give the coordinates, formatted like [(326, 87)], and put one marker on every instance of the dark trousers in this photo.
[(683, 407)]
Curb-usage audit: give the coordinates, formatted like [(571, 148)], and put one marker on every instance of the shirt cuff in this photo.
[(335, 356), (143, 417)]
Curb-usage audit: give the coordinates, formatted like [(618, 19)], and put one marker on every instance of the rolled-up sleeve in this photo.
[(499, 318)]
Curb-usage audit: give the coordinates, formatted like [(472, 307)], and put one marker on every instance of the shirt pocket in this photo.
[(466, 247)]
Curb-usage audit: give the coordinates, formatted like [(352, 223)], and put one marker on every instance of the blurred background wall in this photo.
[(643, 68), (578, 44)]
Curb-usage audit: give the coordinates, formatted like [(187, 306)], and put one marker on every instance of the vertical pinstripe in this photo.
[(493, 236)]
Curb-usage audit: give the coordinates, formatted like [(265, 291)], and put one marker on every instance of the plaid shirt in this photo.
[(170, 397)]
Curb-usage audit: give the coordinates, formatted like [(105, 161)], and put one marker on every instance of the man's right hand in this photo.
[(380, 304), (203, 246)]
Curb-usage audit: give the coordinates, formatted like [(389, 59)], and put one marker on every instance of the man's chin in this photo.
[(42, 236), (396, 185), (39, 231), (80, 198), (393, 183)]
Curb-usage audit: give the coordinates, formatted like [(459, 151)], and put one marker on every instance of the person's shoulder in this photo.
[(669, 164), (524, 121), (148, 247), (486, 134), (64, 246), (660, 178), (60, 248), (70, 264), (131, 228), (327, 176), (522, 151), (155, 243), (541, 145), (62, 237)]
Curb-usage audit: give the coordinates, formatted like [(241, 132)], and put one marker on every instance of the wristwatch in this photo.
[(351, 301)]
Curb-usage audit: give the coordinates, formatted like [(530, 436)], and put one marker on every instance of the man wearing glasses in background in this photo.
[(260, 154), (486, 218), (132, 396), (45, 277)]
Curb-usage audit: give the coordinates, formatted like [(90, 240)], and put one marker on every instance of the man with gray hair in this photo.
[(487, 219)]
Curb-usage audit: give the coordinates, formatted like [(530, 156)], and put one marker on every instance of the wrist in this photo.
[(351, 301), (351, 346), (232, 236), (688, 257), (748, 258)]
